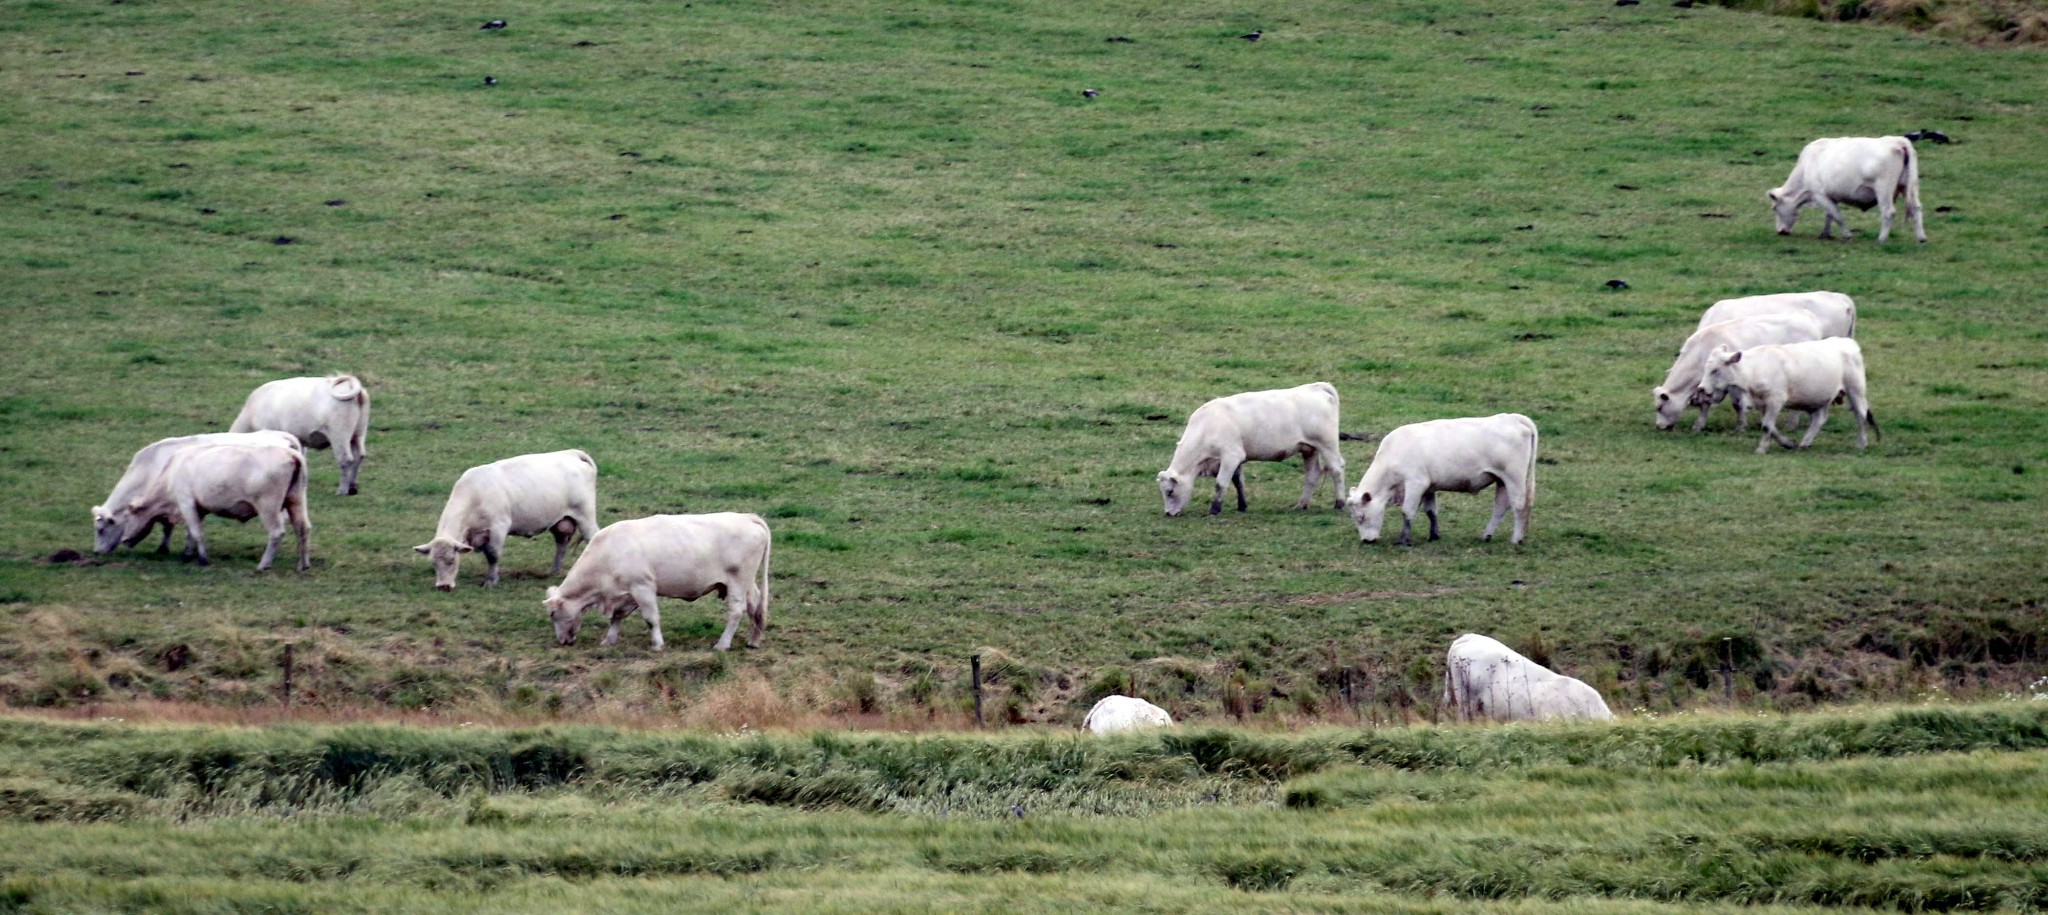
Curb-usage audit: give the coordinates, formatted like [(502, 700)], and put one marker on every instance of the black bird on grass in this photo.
[(1090, 93), (1925, 134), (1254, 35), (1617, 285), (490, 80), (493, 24)]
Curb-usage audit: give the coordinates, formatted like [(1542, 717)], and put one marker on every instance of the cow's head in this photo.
[(1367, 513), (568, 618), (1175, 489), (1668, 405), (1785, 206), (447, 556), (1718, 372), (116, 527), (106, 530)]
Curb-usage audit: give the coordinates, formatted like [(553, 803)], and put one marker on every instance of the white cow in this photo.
[(1419, 460), (323, 412), (521, 497), (1835, 312), (1681, 385), (1256, 426), (1484, 679), (1119, 714), (239, 481), (148, 464), (1860, 171), (1803, 376), (631, 563)]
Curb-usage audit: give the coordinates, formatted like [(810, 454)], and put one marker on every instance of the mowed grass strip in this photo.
[(886, 277)]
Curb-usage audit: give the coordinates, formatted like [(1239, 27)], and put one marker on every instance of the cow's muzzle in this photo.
[(441, 587)]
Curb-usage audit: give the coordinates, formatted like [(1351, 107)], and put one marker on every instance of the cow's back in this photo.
[(680, 552)]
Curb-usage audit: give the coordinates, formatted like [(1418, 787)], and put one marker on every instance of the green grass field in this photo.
[(883, 275), (1925, 809)]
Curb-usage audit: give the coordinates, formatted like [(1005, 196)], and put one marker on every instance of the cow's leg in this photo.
[(615, 612), (1813, 428), (1885, 210), (493, 547), (1237, 480), (643, 596), (1225, 470), (165, 546), (195, 534), (1335, 465), (735, 611), (1518, 496), (1501, 503), (1311, 476), (349, 460), (1700, 425), (1411, 501), (1771, 411), (274, 525), (1860, 408), (1429, 508), (1834, 215), (564, 531)]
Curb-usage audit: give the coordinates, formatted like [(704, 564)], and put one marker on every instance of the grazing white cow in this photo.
[(1681, 385), (1119, 714), (1484, 679), (1860, 171), (1835, 312), (520, 497), (148, 464), (1419, 460), (1256, 426), (323, 412), (631, 563), (238, 481), (1803, 376)]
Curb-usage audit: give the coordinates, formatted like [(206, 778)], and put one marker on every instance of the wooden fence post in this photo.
[(287, 675), (977, 691)]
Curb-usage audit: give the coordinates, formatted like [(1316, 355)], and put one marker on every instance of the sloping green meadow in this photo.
[(1927, 809), (881, 273)]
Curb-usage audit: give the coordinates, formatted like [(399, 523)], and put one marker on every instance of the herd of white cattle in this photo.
[(1789, 350)]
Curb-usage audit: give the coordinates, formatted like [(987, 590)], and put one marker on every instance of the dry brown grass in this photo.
[(1986, 22)]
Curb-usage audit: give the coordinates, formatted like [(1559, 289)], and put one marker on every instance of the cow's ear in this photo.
[(1364, 497), (424, 549), (1662, 395), (464, 548), (1772, 196), (1735, 358)]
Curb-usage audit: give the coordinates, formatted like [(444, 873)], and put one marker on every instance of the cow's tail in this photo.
[(295, 502), (760, 610), (1909, 178), (1529, 472)]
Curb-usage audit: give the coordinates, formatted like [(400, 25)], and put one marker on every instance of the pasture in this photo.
[(883, 275)]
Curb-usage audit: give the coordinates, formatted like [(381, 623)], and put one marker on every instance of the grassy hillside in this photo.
[(882, 274), (1898, 810)]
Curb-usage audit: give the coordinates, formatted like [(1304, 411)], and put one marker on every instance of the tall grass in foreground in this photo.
[(89, 771), (1910, 810)]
